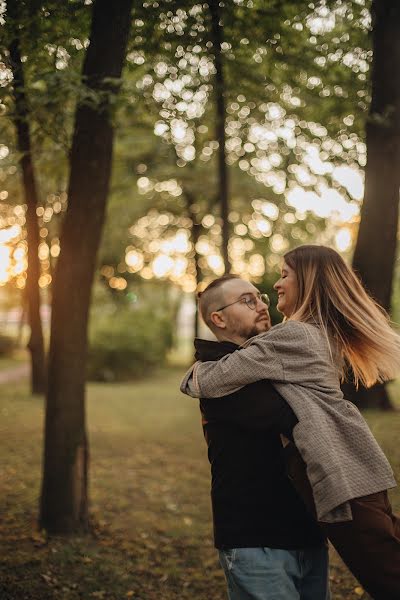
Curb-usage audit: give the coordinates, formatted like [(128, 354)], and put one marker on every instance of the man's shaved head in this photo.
[(213, 297)]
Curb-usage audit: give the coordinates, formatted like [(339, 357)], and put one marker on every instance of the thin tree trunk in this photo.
[(64, 498), (21, 320), (195, 234), (219, 91), (21, 120), (375, 252)]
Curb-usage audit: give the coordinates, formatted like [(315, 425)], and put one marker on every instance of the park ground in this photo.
[(149, 497)]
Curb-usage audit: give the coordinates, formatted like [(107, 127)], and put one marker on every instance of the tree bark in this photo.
[(195, 234), (220, 115), (375, 252), (21, 121), (64, 498)]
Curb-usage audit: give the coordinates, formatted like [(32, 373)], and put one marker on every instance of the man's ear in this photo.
[(218, 320)]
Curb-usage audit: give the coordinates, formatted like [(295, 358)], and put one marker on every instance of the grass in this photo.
[(18, 357), (152, 535)]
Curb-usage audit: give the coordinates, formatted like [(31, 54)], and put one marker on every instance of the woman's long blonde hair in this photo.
[(331, 296)]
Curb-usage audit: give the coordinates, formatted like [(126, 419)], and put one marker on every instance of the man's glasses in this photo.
[(250, 301)]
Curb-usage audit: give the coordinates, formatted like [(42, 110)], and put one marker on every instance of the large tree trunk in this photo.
[(219, 91), (21, 120), (64, 499), (375, 251)]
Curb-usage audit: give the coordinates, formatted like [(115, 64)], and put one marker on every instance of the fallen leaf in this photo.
[(86, 559), (359, 591)]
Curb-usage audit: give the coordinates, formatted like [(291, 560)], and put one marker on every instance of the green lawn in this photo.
[(149, 500)]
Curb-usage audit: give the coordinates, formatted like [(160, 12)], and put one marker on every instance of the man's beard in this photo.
[(247, 332), (253, 331)]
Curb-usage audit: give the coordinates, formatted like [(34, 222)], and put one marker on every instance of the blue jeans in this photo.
[(275, 574)]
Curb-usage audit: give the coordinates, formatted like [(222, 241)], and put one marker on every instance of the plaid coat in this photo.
[(343, 459)]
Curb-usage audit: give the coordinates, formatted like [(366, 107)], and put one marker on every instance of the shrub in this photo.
[(127, 342), (7, 345)]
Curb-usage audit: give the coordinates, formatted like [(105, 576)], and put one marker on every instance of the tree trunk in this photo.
[(195, 234), (64, 499), (21, 121), (219, 91), (375, 251)]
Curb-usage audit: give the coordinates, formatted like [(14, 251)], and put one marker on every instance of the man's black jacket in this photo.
[(253, 502)]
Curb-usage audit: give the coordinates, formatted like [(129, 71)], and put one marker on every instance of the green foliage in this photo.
[(294, 62), (287, 66), (128, 341)]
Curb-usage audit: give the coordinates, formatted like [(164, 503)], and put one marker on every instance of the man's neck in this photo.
[(235, 339)]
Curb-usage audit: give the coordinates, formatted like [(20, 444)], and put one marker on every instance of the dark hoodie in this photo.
[(253, 502)]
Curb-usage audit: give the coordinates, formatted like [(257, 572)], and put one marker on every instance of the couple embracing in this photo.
[(292, 461)]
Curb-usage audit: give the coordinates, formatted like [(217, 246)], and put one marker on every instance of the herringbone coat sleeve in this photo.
[(284, 354)]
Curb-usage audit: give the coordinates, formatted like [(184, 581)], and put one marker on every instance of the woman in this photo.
[(331, 324)]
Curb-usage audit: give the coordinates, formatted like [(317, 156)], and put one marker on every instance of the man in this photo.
[(270, 547)]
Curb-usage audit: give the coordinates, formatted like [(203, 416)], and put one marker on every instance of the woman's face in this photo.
[(287, 289)]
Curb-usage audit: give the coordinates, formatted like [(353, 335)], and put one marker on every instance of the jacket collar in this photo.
[(210, 350)]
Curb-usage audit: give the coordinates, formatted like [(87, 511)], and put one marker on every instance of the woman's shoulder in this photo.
[(294, 328), (294, 336), (288, 332), (304, 338)]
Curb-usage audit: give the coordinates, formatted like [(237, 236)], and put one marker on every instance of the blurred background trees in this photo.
[(294, 100), (295, 153)]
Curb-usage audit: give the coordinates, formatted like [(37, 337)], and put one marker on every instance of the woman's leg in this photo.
[(369, 544)]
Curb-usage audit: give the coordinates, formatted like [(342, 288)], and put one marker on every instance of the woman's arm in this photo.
[(285, 353), (213, 379)]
